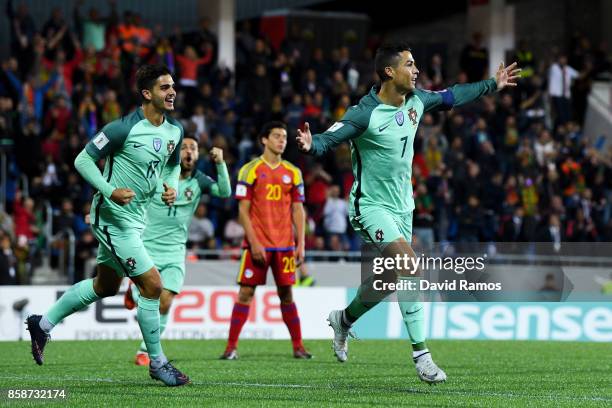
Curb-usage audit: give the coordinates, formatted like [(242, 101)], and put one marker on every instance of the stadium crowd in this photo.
[(513, 167)]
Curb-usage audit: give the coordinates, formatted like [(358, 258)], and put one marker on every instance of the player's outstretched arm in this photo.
[(352, 124), (87, 168), (461, 94)]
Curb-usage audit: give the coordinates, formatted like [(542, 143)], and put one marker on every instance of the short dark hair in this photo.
[(387, 55), (191, 135), (147, 75), (267, 128)]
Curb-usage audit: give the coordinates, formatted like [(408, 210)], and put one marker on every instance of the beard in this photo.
[(160, 104)]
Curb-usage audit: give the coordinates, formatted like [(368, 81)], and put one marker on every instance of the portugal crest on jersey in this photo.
[(157, 142), (379, 235), (131, 263), (171, 145), (188, 193), (399, 118), (412, 115)]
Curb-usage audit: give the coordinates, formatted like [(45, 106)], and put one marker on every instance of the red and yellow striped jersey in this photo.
[(271, 190)]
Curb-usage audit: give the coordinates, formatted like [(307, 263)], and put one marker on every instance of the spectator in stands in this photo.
[(471, 220), (526, 60), (188, 63), (22, 31), (199, 120), (544, 149), (8, 261), (203, 39), (423, 215), (436, 72), (23, 216), (201, 229), (475, 59), (550, 231), (560, 77), (233, 233), (260, 91), (66, 218), (93, 30), (317, 181), (31, 93), (335, 214)]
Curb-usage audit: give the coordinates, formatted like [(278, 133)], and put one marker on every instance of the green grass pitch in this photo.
[(378, 373)]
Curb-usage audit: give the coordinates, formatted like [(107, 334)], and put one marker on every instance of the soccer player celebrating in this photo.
[(140, 149), (271, 193), (165, 235), (381, 131)]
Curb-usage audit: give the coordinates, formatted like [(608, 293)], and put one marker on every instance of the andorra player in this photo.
[(271, 193)]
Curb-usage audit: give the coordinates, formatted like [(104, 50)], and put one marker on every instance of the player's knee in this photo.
[(150, 284), (285, 294), (245, 294), (105, 290), (154, 289)]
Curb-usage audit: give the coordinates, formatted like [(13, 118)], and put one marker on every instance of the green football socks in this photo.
[(149, 322), (77, 297), (163, 320), (365, 299)]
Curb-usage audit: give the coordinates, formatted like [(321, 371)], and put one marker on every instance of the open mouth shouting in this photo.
[(169, 101)]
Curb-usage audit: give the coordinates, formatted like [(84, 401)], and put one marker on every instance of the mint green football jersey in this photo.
[(167, 227), (381, 138), (136, 152)]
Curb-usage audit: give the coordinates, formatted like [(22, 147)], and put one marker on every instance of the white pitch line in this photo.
[(302, 386)]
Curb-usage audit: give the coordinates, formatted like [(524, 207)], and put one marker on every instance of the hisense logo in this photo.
[(511, 321)]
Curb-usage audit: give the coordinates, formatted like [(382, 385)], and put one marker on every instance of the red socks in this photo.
[(240, 314), (292, 320)]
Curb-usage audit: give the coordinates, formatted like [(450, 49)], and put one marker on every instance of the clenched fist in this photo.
[(122, 196), (216, 154), (169, 195)]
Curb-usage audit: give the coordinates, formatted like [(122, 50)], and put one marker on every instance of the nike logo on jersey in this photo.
[(137, 145), (380, 129)]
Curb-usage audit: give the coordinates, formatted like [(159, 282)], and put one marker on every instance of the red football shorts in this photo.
[(281, 262)]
